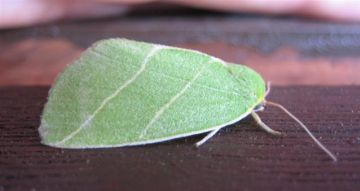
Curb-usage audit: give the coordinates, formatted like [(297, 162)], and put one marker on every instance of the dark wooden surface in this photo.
[(240, 157)]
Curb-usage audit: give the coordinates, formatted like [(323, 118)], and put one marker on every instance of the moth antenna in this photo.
[(207, 137), (268, 88), (263, 125), (327, 151)]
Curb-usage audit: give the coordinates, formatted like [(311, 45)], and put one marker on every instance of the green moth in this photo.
[(122, 93)]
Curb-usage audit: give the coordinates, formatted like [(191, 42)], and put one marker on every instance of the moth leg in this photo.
[(259, 108), (207, 137), (263, 125)]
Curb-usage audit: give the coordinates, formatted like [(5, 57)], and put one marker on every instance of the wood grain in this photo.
[(240, 157)]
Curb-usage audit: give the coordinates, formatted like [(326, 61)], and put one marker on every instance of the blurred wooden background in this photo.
[(285, 51)]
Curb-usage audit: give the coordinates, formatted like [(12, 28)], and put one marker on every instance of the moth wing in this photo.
[(123, 92)]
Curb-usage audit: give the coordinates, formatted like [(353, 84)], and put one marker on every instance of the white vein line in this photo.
[(168, 104), (195, 84), (176, 78), (113, 95), (219, 60)]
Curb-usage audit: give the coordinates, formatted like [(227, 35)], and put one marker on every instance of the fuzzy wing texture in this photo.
[(122, 92)]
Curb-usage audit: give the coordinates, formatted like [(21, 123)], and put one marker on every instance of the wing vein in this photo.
[(113, 95), (169, 103), (180, 79)]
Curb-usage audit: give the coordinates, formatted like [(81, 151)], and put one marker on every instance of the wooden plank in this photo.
[(240, 157), (38, 62), (264, 34), (286, 51)]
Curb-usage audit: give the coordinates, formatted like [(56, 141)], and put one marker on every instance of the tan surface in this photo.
[(37, 62)]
